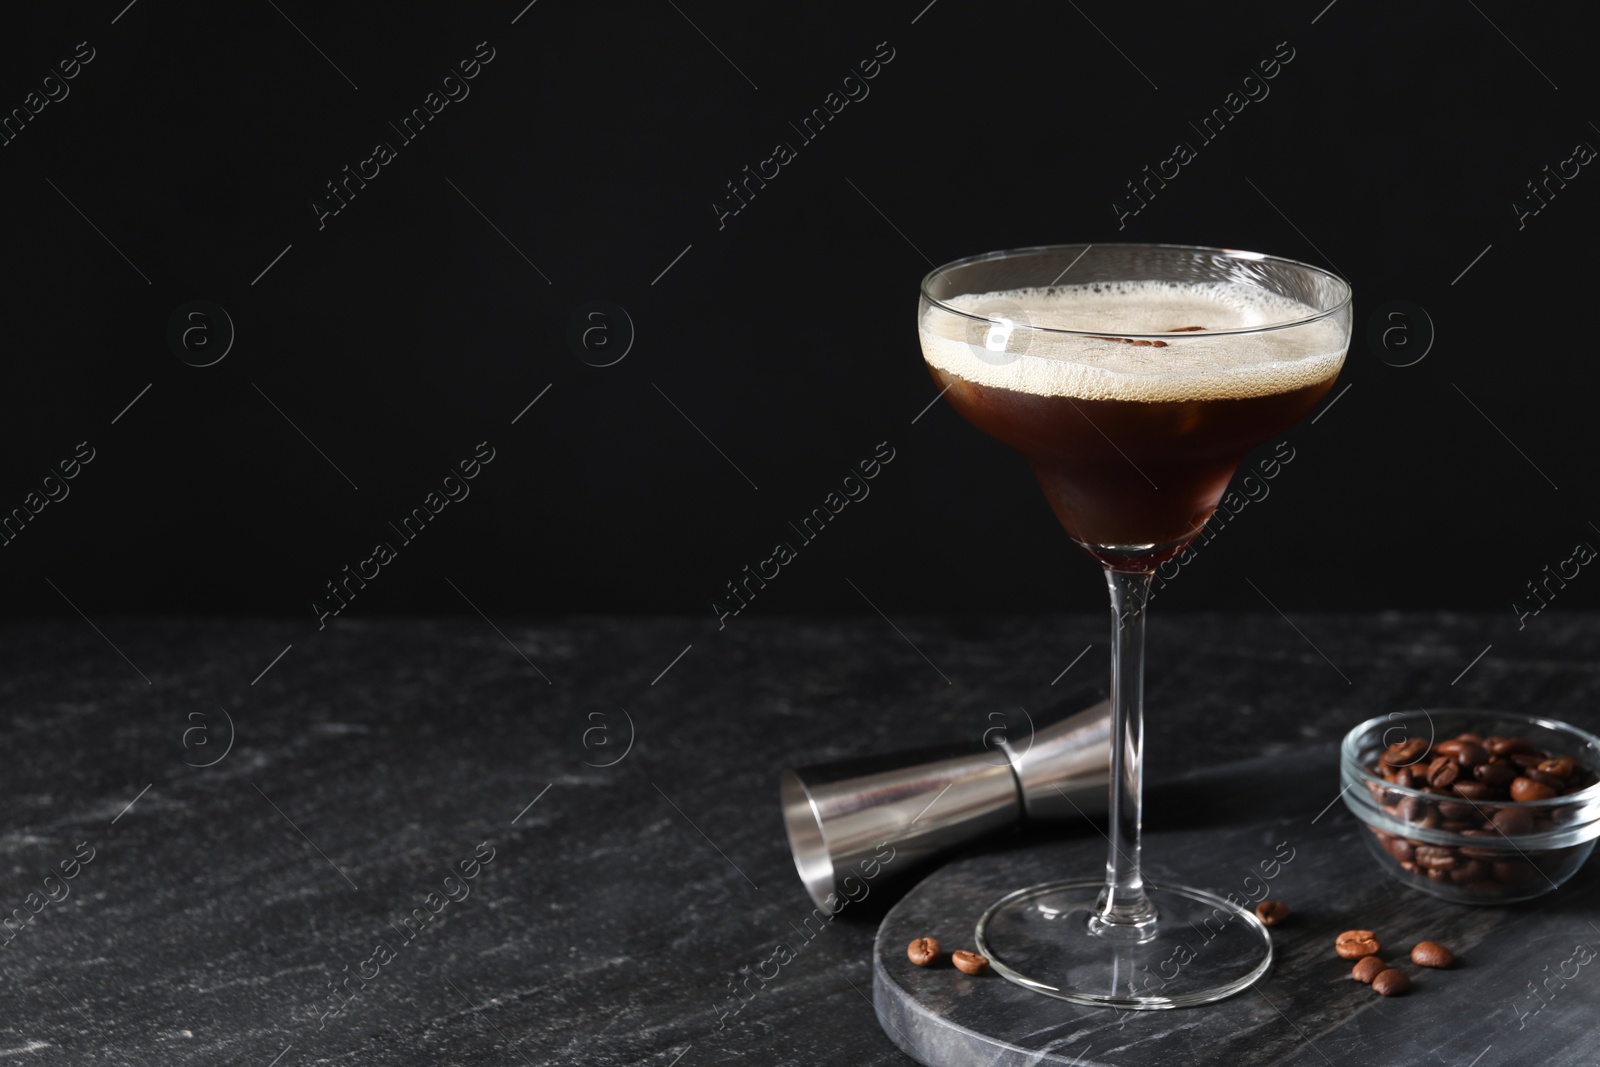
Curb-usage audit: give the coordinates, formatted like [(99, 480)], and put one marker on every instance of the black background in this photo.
[(408, 329)]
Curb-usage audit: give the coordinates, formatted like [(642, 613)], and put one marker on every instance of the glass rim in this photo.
[(1351, 766), (1235, 253)]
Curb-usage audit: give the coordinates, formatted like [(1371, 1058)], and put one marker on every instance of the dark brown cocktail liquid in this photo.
[(1133, 475), (1134, 445)]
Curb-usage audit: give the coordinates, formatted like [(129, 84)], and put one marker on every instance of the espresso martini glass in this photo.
[(1133, 378)]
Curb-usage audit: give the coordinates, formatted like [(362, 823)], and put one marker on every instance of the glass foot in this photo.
[(1203, 949)]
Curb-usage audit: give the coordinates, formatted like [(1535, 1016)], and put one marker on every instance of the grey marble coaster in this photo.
[(1525, 990)]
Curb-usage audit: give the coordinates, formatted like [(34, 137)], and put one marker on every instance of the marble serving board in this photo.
[(1522, 991)]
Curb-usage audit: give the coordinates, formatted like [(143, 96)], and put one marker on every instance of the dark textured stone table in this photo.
[(625, 802)]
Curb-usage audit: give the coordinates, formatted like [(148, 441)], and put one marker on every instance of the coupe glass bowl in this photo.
[(1465, 850)]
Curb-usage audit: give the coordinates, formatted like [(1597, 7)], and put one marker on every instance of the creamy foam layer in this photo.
[(1192, 366)]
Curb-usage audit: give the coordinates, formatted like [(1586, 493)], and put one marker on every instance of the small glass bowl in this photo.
[(1464, 850)]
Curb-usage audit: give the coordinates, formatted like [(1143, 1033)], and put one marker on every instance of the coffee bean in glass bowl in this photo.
[(1476, 807)]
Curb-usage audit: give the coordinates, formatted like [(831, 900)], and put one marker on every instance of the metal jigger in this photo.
[(845, 818)]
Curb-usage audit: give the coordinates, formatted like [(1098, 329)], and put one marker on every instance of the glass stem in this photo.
[(1123, 910)]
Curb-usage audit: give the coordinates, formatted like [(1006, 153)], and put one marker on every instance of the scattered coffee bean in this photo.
[(1367, 968), (1432, 954), (968, 962), (1272, 912), (1526, 789), (923, 951), (1391, 983), (1353, 944)]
